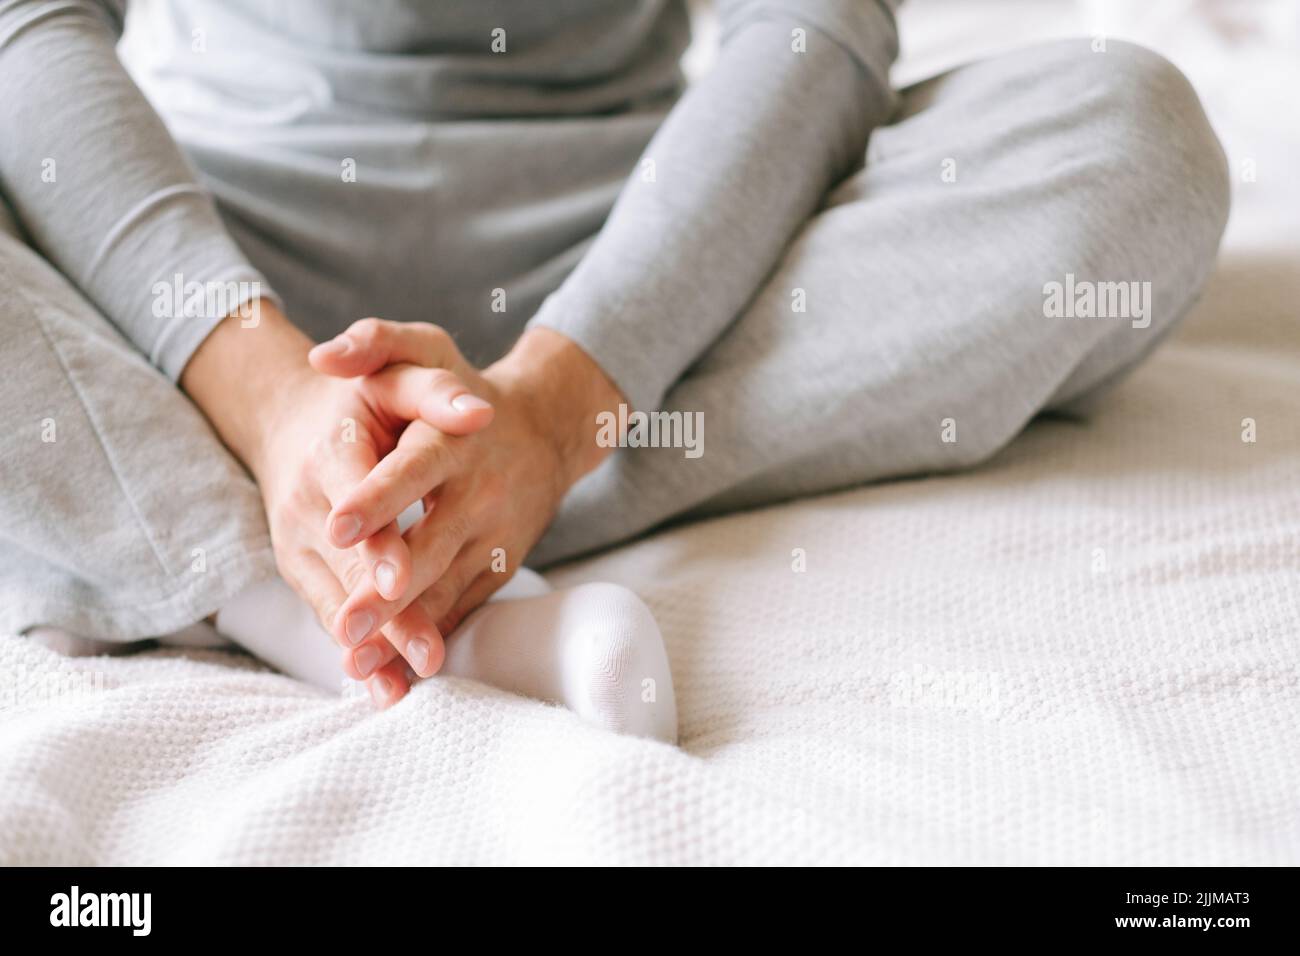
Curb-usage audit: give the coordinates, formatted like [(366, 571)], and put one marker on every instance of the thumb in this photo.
[(432, 395)]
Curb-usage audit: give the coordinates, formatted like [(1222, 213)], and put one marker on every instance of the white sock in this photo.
[(270, 621), (594, 648)]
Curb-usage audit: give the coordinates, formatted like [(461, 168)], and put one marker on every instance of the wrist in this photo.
[(566, 391), (241, 377)]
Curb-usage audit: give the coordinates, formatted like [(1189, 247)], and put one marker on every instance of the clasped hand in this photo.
[(389, 414)]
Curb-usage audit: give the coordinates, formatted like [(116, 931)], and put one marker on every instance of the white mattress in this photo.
[(1084, 652)]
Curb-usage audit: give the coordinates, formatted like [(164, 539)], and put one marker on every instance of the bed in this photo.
[(1084, 652)]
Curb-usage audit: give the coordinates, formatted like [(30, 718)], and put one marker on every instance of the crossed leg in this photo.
[(123, 517), (904, 331)]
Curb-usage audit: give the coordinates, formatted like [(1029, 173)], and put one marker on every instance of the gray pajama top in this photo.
[(476, 163)]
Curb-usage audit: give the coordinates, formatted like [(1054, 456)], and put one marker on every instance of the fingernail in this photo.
[(417, 652), (345, 528), (380, 689), (469, 403), (367, 659), (359, 625), (386, 579), (340, 345)]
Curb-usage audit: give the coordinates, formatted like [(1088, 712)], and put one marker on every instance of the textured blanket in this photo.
[(1085, 651)]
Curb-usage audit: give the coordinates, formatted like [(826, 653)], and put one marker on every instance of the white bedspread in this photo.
[(1084, 652)]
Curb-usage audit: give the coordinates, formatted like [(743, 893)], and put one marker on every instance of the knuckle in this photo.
[(457, 607), (378, 487), (326, 610), (426, 459), (353, 575), (438, 598), (408, 624), (285, 564), (437, 335), (465, 581), (291, 507), (451, 620), (317, 451), (451, 455), (367, 331), (426, 601), (440, 378), (299, 502)]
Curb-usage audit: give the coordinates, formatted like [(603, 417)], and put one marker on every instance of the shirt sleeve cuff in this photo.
[(625, 349), (191, 310)]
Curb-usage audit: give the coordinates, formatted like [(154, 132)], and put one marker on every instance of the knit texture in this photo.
[(1084, 652)]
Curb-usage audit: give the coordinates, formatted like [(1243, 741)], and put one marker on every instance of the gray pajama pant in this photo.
[(904, 331)]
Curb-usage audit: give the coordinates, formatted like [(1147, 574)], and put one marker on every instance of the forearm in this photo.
[(567, 389), (97, 182), (242, 377), (740, 164)]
